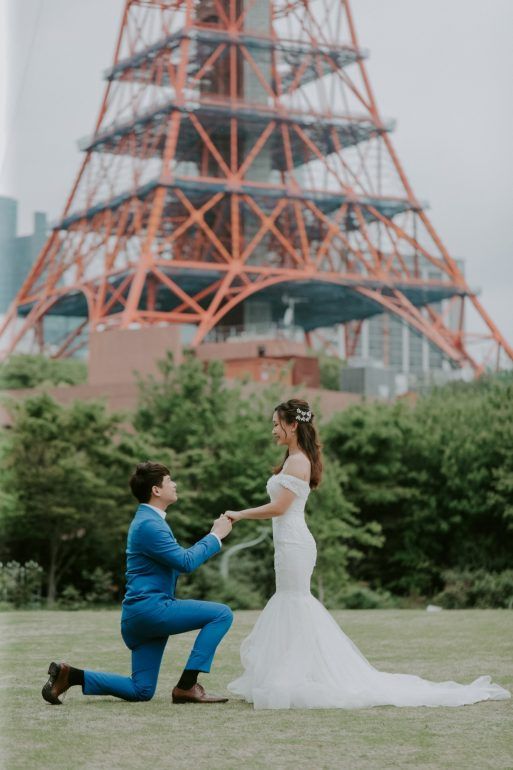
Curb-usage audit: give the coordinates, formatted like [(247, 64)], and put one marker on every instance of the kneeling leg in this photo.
[(141, 686), (212, 618)]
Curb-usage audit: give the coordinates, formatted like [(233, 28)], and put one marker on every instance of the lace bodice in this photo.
[(291, 526)]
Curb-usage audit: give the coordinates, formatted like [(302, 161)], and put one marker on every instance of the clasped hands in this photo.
[(223, 525)]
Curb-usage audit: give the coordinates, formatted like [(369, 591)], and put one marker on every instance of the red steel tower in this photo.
[(239, 152)]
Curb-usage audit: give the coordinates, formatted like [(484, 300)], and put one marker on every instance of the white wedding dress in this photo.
[(297, 656)]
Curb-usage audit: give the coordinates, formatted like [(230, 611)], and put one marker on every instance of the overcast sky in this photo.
[(442, 68)]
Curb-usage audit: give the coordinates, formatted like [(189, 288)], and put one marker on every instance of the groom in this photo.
[(150, 612)]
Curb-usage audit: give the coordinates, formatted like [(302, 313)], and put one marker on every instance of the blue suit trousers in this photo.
[(146, 635)]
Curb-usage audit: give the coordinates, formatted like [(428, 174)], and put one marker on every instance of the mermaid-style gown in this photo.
[(297, 656)]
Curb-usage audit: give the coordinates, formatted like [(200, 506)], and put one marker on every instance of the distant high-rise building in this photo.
[(17, 256), (386, 341), (17, 252)]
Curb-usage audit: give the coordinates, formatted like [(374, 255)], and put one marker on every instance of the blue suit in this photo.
[(151, 613)]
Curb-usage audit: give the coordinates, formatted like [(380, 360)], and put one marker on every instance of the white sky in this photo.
[(441, 68)]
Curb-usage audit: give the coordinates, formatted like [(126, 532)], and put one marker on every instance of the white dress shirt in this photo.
[(163, 514)]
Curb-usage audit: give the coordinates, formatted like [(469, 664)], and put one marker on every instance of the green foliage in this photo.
[(207, 582), (369, 442), (330, 368), (471, 429), (70, 598), (341, 538), (66, 501), (97, 588), (27, 371), (476, 589), (415, 500), (101, 586), (20, 585), (438, 478), (358, 596)]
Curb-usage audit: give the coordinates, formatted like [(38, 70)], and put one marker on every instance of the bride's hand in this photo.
[(233, 515)]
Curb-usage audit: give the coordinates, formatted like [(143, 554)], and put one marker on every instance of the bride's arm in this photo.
[(268, 511)]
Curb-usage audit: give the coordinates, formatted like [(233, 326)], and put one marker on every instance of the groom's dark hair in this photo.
[(146, 476)]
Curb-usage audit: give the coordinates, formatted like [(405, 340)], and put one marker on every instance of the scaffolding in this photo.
[(238, 154)]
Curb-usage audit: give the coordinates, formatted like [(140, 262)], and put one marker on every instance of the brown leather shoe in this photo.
[(57, 683), (196, 694)]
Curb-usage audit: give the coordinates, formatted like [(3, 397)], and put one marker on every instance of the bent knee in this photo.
[(144, 693), (227, 614)]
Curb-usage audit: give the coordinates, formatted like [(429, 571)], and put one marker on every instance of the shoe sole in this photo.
[(188, 700), (46, 692)]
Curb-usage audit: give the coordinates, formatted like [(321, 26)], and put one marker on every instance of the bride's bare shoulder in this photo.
[(298, 465)]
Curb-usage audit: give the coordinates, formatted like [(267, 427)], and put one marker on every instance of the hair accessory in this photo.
[(302, 416)]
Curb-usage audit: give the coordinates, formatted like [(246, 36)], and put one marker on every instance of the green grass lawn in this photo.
[(89, 732)]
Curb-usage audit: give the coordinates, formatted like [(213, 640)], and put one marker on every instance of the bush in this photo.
[(208, 582), (71, 599), (20, 585), (330, 368), (358, 596), (476, 589), (28, 371), (102, 588)]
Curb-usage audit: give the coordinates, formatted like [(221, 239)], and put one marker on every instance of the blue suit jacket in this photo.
[(155, 559)]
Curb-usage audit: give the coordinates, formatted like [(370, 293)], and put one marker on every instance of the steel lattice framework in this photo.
[(239, 151)]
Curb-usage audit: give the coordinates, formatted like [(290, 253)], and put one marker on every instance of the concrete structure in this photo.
[(369, 381), (121, 355), (264, 360), (118, 358)]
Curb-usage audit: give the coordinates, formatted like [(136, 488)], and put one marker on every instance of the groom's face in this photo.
[(166, 492)]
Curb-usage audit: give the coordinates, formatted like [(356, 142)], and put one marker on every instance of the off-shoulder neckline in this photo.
[(291, 476)]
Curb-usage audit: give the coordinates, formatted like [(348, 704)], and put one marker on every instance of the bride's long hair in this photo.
[(307, 437)]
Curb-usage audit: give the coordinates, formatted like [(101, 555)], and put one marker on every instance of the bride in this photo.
[(297, 656)]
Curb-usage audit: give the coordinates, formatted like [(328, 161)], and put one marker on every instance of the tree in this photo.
[(64, 477), (437, 477), (368, 442), (475, 451), (340, 536)]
